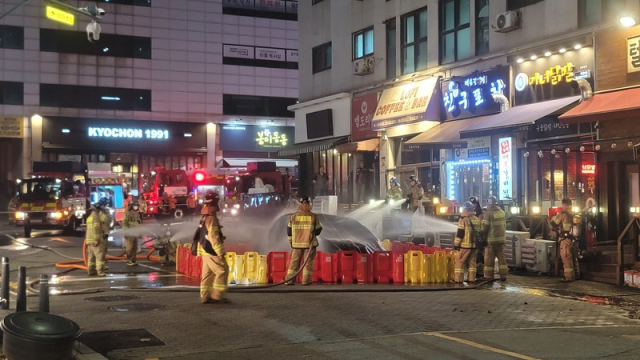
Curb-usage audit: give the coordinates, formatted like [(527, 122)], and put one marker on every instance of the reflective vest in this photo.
[(211, 239), (97, 227), (464, 226), (494, 224), (303, 226), (395, 192), (131, 218)]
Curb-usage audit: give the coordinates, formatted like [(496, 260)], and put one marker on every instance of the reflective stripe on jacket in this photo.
[(563, 218), (130, 219), (303, 226), (494, 224), (463, 237), (215, 240), (97, 227)]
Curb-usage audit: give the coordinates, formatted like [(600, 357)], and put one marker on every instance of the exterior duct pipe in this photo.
[(585, 88), (503, 101)]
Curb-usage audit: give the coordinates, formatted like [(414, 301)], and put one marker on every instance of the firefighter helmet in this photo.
[(102, 203), (492, 200), (305, 199), (394, 180), (468, 207), (211, 199)]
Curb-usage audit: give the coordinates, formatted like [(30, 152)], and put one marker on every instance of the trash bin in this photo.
[(37, 335)]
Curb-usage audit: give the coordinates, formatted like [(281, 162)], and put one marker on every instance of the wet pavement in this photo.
[(150, 312)]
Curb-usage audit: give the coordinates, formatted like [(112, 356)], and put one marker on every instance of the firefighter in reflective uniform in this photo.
[(494, 226), (168, 203), (191, 206), (469, 228), (564, 222), (97, 238), (302, 230), (142, 206), (480, 215), (130, 220), (416, 192), (215, 269), (395, 191)]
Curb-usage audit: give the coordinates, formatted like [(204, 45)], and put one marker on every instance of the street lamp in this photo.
[(627, 21)]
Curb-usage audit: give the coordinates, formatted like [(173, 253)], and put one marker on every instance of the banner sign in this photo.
[(11, 127), (362, 110), (506, 169), (470, 96)]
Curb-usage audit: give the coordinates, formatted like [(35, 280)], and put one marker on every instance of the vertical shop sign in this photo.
[(362, 110), (506, 167), (11, 127), (633, 54)]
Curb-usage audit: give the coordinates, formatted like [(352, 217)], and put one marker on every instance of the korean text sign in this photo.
[(506, 169), (472, 95), (362, 110)]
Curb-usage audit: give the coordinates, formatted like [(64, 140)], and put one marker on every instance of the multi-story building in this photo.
[(163, 83), (463, 94)]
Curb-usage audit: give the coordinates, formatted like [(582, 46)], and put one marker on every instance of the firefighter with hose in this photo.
[(302, 231), (215, 269)]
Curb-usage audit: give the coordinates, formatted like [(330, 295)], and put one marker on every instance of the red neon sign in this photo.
[(588, 169)]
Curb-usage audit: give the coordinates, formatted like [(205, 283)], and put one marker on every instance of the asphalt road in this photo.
[(504, 321)]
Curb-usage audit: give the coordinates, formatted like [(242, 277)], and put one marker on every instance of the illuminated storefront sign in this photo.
[(505, 168), (255, 138), (11, 127), (271, 139), (406, 104), (61, 16), (588, 169), (362, 111), (548, 78), (472, 95), (128, 133), (633, 54), (477, 148)]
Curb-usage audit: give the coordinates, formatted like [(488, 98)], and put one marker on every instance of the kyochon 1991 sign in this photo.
[(470, 96), (128, 133)]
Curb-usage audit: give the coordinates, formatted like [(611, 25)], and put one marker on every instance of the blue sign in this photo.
[(470, 96)]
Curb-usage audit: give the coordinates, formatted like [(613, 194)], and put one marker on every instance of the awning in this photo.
[(406, 104), (242, 163), (607, 106), (353, 147), (313, 146), (517, 116), (447, 134)]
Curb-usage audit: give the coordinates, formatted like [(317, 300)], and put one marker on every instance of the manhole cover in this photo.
[(113, 298), (104, 341), (136, 307)]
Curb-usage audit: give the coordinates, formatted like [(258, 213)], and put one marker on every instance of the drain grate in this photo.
[(136, 307), (104, 341), (113, 298)]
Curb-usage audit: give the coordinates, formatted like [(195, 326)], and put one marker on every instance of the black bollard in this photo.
[(44, 293), (21, 302), (4, 290)]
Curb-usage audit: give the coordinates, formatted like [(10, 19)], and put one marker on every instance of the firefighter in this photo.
[(215, 269), (131, 219), (480, 215), (494, 227), (191, 206), (168, 203), (127, 201), (395, 191), (302, 231), (469, 228), (142, 206), (564, 222), (416, 192), (97, 238)]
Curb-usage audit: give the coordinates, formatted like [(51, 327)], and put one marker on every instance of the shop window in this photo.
[(455, 30), (257, 105), (75, 42), (391, 47), (545, 163), (92, 97), (517, 4), (321, 59), (482, 26), (280, 60), (593, 12), (11, 37), (465, 180), (363, 43), (11, 93), (414, 41)]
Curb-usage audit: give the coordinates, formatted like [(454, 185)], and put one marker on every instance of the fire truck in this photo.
[(261, 188)]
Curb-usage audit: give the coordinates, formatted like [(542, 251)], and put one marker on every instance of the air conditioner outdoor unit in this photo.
[(508, 21), (513, 248), (539, 255), (364, 66)]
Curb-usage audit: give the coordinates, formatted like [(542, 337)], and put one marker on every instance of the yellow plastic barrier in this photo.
[(452, 264), (251, 266), (428, 269), (238, 268), (441, 267), (263, 277), (386, 245), (231, 261), (413, 267)]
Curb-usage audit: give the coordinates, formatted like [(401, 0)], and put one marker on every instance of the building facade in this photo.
[(468, 96), (154, 90)]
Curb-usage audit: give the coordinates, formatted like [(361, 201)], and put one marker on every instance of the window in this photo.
[(11, 37), (391, 47), (363, 43), (313, 2), (517, 4), (414, 41), (321, 58), (455, 30), (482, 27), (593, 12), (281, 9), (257, 105), (128, 2), (75, 42), (244, 55), (92, 97), (11, 93)]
